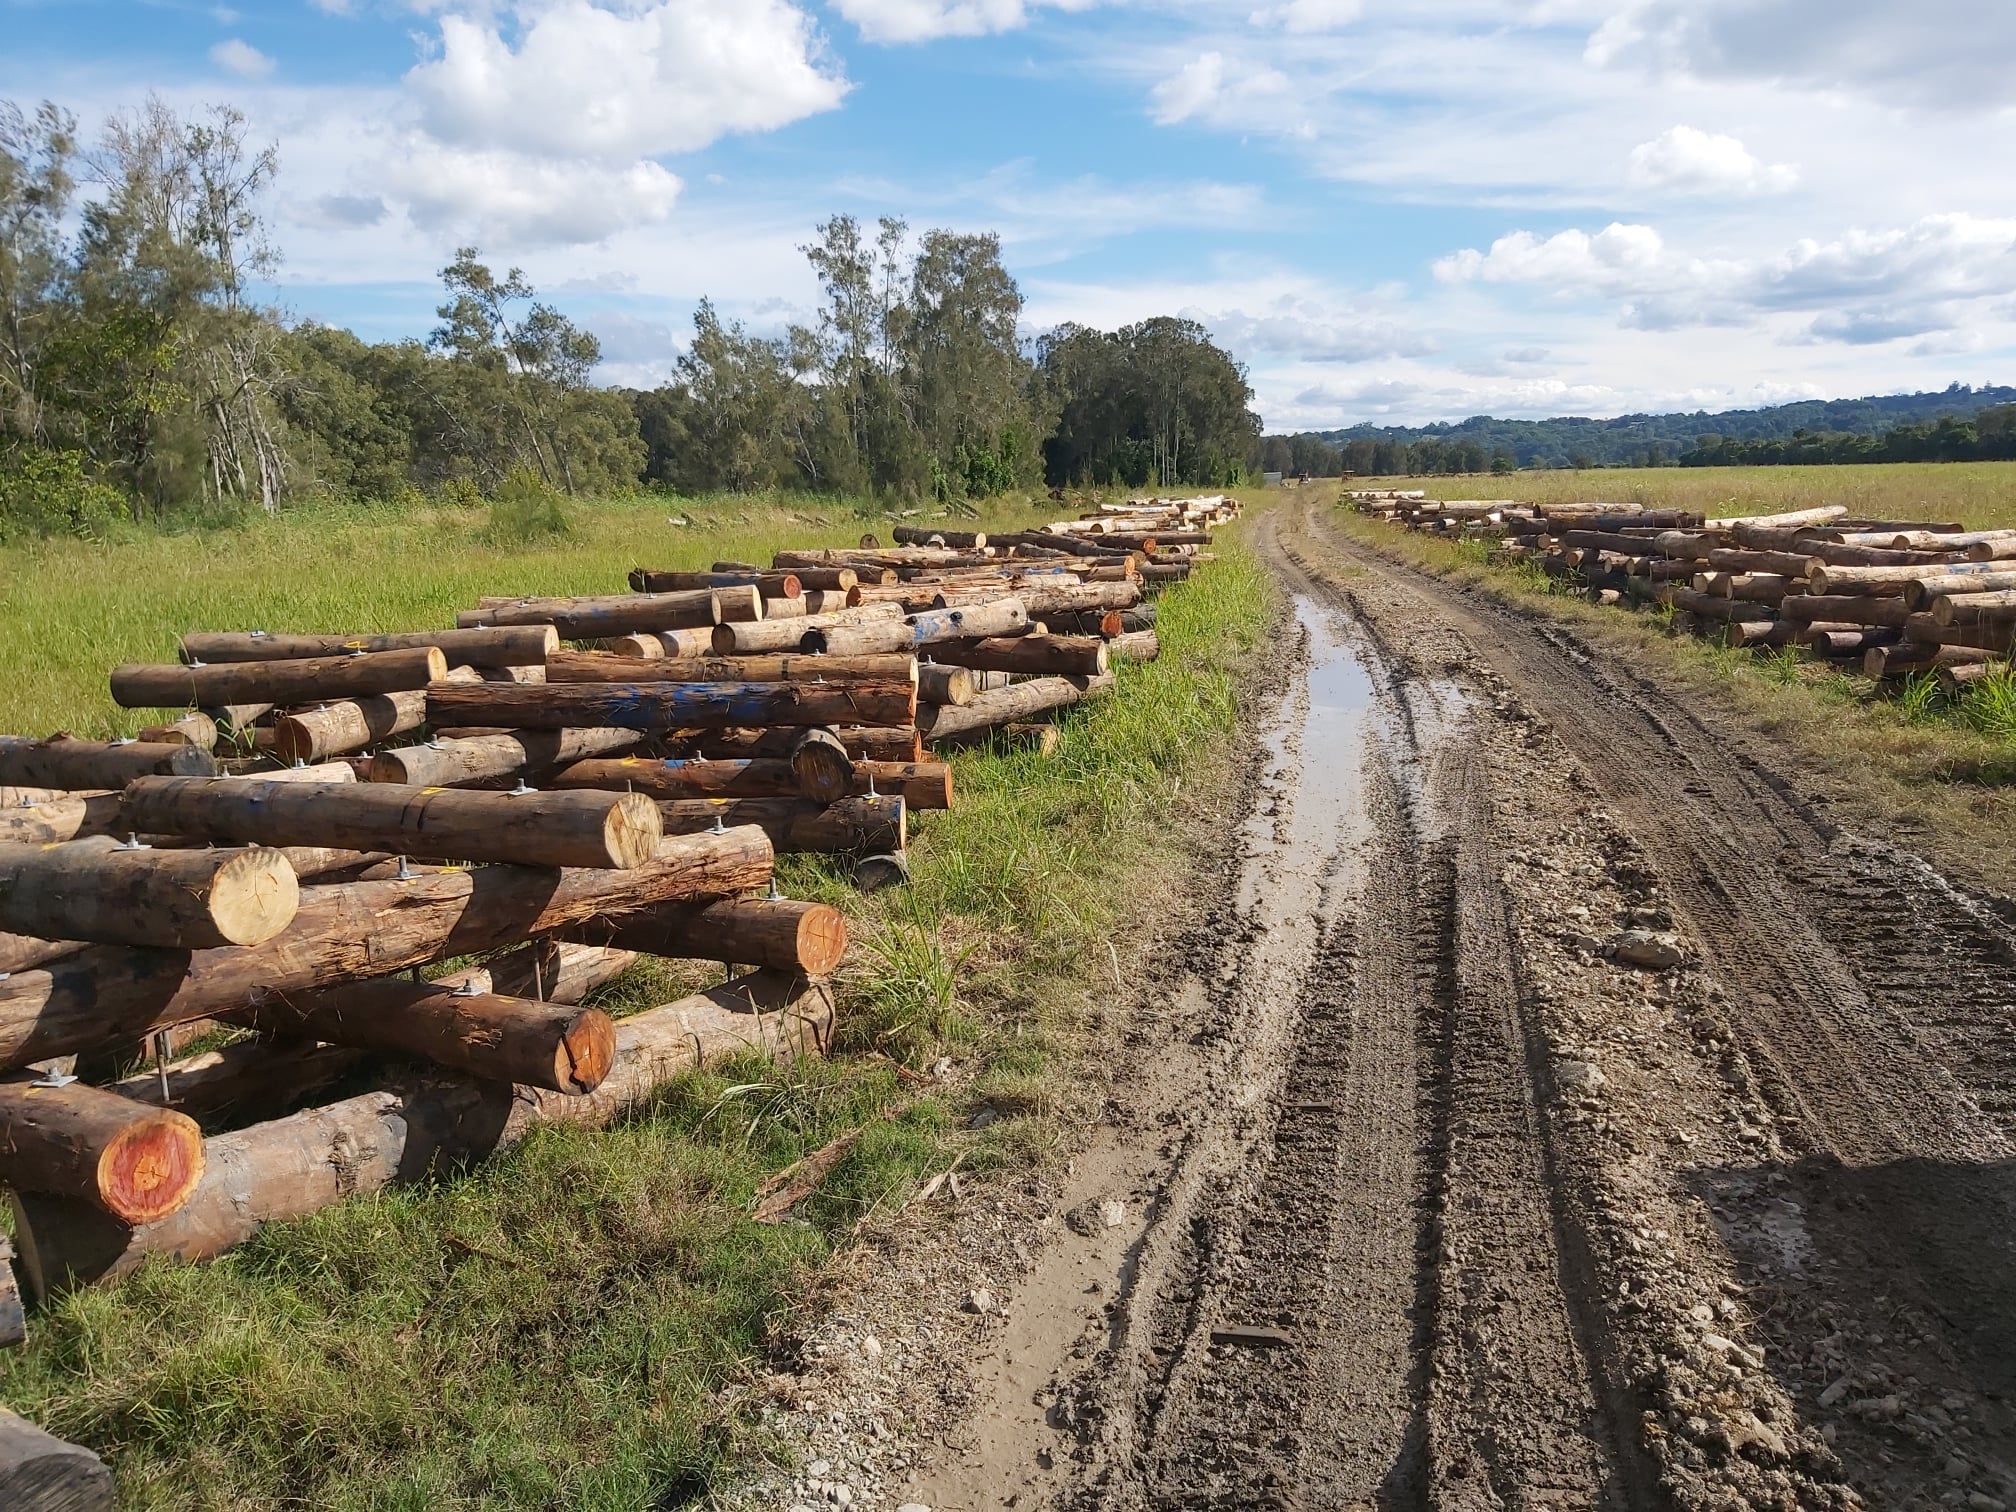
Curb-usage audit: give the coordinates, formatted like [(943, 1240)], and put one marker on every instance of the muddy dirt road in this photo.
[(1423, 1193)]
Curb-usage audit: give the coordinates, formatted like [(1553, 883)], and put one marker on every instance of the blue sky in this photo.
[(1391, 210)]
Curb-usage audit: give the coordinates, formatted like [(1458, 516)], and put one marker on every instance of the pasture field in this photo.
[(582, 1321)]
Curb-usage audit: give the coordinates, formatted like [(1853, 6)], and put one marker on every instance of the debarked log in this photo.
[(787, 635), (102, 891), (94, 1147), (308, 680), (299, 1165), (1006, 616), (659, 706), (63, 816), (114, 995), (621, 614), (1019, 702), (440, 824), (601, 667), (505, 646), (1049, 655)]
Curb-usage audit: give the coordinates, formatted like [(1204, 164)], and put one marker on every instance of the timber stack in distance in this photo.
[(1891, 598), (316, 823)]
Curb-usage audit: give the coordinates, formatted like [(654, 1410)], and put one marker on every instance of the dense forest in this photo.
[(1952, 424), (141, 379)]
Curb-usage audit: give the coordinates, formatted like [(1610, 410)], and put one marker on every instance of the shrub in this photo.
[(526, 510), (45, 493)]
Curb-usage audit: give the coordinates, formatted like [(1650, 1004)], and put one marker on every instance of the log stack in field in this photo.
[(1892, 598), (225, 949)]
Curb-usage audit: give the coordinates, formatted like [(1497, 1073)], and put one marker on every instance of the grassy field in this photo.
[(1981, 495), (579, 1323)]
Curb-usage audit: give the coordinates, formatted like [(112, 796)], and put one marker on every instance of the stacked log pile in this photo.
[(1892, 598), (319, 823)]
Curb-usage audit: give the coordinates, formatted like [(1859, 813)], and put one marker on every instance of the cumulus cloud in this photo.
[(925, 20), (580, 79), (1866, 285), (1686, 160), (240, 57), (1310, 15), (516, 200), (1941, 53)]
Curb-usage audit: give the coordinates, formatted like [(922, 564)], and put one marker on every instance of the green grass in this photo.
[(580, 1322), (1981, 495)]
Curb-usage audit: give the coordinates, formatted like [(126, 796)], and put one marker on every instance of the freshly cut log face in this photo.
[(594, 667), (63, 762), (117, 994), (821, 763), (675, 706), (556, 1046), (280, 682), (302, 1164), (46, 821), (779, 934), (445, 824), (513, 646), (188, 900), (136, 1163), (450, 763)]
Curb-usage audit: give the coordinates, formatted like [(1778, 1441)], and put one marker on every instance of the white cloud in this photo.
[(580, 79), (240, 57), (1940, 53), (1687, 160), (336, 7), (1617, 257), (924, 20), (1310, 15), (516, 200), (1206, 84)]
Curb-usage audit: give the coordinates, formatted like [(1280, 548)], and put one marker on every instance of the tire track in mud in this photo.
[(1390, 1215), (1876, 1002)]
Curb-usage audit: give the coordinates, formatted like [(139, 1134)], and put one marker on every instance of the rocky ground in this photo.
[(1544, 1100)]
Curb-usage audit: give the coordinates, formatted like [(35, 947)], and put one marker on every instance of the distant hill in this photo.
[(1636, 440)]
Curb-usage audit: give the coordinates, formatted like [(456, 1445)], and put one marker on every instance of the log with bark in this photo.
[(924, 535), (1995, 607), (681, 643), (306, 680), (1849, 609), (1045, 655), (557, 1046), (1013, 704), (944, 685), (517, 646), (852, 826), (137, 1164), (64, 762), (1043, 602), (116, 994), (40, 1473), (1907, 657), (660, 706), (778, 934), (601, 667), (1826, 577), (352, 724), (486, 758), (1850, 640), (623, 614), (1141, 646), (108, 893), (771, 585), (299, 1165), (195, 728), (440, 824), (857, 742)]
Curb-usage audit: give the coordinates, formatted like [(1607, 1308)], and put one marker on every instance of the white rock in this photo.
[(871, 1346), (979, 1300), (1648, 948), (1112, 1214), (819, 1469), (840, 1496), (913, 1507)]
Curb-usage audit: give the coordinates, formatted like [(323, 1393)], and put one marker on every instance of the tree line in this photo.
[(1990, 436), (141, 378)]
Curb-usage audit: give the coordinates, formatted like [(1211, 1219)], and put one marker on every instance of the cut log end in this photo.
[(633, 830), (255, 895), (822, 940), (586, 1053), (148, 1169)]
